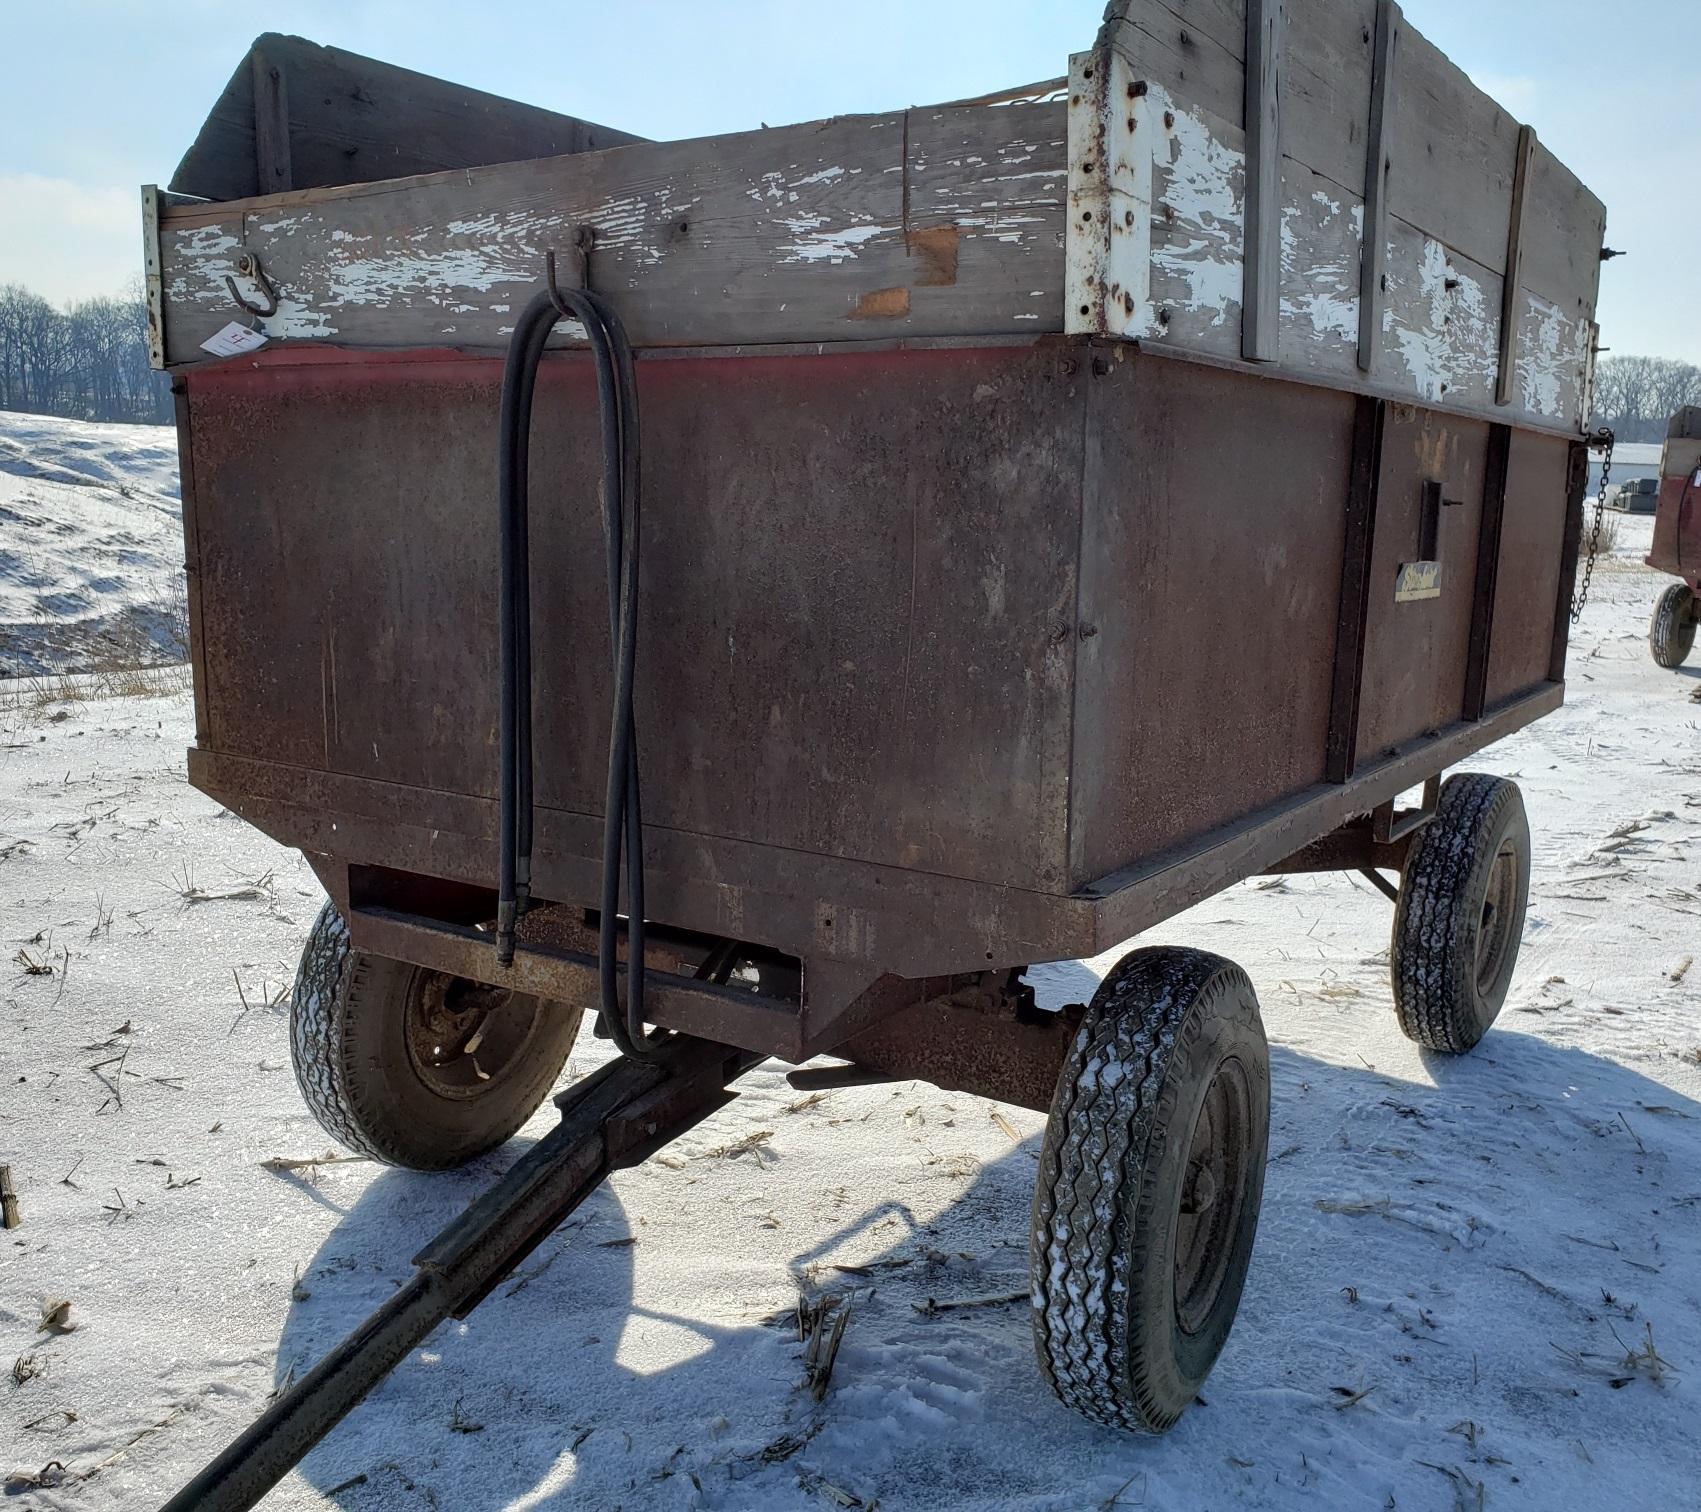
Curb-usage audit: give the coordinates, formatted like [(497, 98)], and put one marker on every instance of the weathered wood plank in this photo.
[(272, 171), (1513, 276), (1440, 319), (1453, 150), (1377, 171), (1266, 23), (1321, 234), (1564, 225), (1437, 311), (797, 234), (355, 119), (1326, 65), (1197, 50)]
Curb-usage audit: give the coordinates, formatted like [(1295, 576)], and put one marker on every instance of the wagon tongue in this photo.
[(615, 1118)]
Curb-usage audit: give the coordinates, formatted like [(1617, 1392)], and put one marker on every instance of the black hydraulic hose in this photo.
[(617, 397)]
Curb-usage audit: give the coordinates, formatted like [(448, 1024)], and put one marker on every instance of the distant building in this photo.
[(1630, 459)]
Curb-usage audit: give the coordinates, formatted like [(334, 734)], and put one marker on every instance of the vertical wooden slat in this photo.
[(1488, 570), (1376, 169), (1341, 747), (1514, 269), (271, 125), (1261, 296)]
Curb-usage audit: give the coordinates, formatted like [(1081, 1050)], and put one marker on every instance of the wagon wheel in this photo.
[(1146, 1203), (1671, 633), (1460, 916), (413, 1067)]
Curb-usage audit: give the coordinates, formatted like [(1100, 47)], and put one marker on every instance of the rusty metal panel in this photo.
[(1428, 511), (1532, 537), (1676, 546), (1214, 518), (853, 567)]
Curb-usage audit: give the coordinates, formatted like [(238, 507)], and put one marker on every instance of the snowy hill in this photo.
[(91, 546)]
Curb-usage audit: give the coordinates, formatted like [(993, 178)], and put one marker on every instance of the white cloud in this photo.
[(66, 240)]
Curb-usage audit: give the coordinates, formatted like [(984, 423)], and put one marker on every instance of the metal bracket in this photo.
[(248, 265), (584, 237), (1388, 825), (1108, 230), (153, 284)]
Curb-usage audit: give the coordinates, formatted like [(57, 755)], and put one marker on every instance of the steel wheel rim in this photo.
[(1499, 912), (464, 1037), (1212, 1198)]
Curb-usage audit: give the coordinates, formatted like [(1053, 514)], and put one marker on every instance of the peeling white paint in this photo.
[(1444, 331), (1552, 355), (205, 241), (837, 245), (1198, 229), (296, 319), (1320, 273)]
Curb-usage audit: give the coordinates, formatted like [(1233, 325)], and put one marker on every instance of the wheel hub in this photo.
[(1213, 1192), (462, 1035), (1499, 911)]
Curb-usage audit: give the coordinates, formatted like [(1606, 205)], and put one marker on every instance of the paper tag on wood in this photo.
[(233, 341)]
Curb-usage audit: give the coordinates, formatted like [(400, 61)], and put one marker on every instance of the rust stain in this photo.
[(936, 248), (882, 304)]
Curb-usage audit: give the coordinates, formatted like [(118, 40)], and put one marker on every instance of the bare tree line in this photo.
[(89, 361), (1637, 395)]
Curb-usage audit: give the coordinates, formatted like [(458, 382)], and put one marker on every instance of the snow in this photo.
[(91, 545), (1454, 1261)]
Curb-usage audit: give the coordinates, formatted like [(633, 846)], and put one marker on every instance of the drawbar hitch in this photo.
[(616, 1117)]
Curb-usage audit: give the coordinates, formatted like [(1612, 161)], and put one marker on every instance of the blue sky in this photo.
[(102, 95)]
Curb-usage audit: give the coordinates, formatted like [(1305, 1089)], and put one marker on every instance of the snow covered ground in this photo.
[(91, 545), (1476, 1282)]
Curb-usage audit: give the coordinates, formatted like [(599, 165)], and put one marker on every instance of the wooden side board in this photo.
[(941, 221), (296, 115), (1451, 159), (1123, 211)]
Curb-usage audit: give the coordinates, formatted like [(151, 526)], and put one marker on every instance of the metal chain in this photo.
[(1603, 439)]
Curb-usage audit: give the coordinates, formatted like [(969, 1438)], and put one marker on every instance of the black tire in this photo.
[(1671, 632), (387, 1055), (1460, 915), (1133, 1297)]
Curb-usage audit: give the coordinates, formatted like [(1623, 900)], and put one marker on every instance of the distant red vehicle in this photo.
[(1677, 540)]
